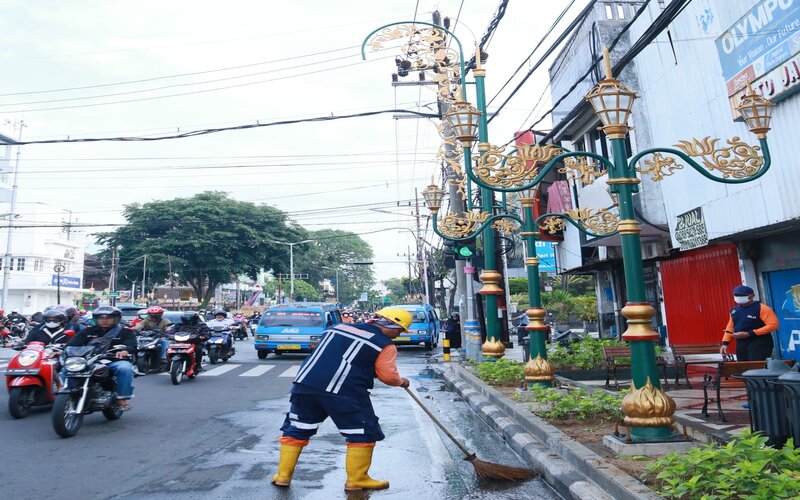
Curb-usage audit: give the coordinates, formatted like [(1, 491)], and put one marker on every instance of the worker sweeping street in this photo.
[(334, 381)]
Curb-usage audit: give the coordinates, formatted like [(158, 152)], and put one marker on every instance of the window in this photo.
[(20, 263), (609, 12), (38, 265), (620, 11)]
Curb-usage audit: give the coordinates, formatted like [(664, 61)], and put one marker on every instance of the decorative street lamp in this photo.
[(464, 119)]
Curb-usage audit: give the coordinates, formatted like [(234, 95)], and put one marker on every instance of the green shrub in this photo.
[(585, 354), (577, 404), (744, 468), (501, 372)]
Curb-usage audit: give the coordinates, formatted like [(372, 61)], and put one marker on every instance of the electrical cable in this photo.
[(493, 24), (195, 133)]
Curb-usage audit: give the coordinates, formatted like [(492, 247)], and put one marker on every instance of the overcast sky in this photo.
[(233, 63)]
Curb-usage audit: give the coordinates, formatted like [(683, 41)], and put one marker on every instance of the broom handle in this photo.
[(439, 424)]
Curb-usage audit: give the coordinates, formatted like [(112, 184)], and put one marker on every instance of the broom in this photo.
[(486, 470)]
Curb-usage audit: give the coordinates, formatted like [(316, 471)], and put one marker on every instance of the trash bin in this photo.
[(767, 405), (791, 395)]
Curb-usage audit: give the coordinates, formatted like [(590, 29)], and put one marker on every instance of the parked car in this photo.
[(424, 330)]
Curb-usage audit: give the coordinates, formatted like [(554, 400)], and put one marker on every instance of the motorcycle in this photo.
[(13, 334), (32, 377), (220, 345), (148, 351), (180, 355), (242, 330), (94, 390)]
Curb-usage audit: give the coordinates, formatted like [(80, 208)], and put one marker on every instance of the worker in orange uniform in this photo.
[(334, 381), (751, 324)]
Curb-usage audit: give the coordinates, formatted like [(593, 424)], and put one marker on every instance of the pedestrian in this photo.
[(452, 330), (334, 381), (751, 323)]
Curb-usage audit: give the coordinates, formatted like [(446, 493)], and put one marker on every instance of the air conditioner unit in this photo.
[(654, 249)]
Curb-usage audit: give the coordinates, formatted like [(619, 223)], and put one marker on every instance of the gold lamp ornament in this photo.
[(463, 118), (433, 195), (756, 111), (612, 102)]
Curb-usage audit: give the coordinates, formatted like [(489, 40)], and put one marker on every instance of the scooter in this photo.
[(32, 377), (94, 388), (220, 345), (180, 355), (148, 351)]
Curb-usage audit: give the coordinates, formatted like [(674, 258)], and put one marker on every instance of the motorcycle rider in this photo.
[(221, 319), (141, 315), (190, 323), (15, 318), (108, 327), (155, 320), (241, 320), (52, 330), (72, 317)]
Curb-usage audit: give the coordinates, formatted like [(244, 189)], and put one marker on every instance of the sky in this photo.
[(105, 69)]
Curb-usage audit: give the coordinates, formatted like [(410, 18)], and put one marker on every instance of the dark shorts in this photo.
[(354, 417), (756, 348)]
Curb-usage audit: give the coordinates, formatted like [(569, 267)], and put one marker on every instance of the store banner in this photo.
[(66, 281), (690, 231), (784, 293), (547, 256)]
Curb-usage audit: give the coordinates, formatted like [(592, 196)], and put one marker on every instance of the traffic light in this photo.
[(448, 255), (465, 250)]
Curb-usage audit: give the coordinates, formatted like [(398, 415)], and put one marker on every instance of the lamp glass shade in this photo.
[(529, 193), (433, 195), (612, 102), (463, 118), (756, 111)]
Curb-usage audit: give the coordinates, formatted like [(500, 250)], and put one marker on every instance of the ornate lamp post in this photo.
[(648, 410)]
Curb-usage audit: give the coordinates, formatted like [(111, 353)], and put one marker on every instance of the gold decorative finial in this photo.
[(477, 56), (607, 63), (750, 88)]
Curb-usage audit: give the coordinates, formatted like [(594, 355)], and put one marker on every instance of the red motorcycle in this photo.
[(180, 355), (32, 378)]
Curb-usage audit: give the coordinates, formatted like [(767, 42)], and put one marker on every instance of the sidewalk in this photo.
[(689, 404)]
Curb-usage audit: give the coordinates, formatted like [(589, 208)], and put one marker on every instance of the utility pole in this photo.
[(113, 277), (420, 251), (279, 289), (11, 216), (171, 282), (144, 276)]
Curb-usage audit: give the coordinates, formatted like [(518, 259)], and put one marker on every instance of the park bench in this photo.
[(680, 351), (620, 357), (726, 377)]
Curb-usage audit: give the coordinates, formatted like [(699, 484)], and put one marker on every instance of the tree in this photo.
[(334, 249), (303, 290), (206, 240)]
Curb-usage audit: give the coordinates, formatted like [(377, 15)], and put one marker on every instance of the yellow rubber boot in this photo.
[(286, 464), (357, 463)]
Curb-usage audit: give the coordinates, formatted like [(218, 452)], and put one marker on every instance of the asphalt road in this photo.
[(214, 437)]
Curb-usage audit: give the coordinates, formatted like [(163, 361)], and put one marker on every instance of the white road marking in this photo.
[(219, 370), (257, 371), (291, 372)]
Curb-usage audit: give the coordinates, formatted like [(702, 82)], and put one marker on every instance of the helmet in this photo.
[(189, 318), (54, 315), (1, 312), (217, 312), (155, 311), (69, 310), (107, 311), (396, 315), (238, 314), (142, 313), (455, 315)]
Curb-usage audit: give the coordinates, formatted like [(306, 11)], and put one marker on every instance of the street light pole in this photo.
[(11, 217)]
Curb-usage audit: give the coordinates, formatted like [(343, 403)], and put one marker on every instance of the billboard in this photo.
[(547, 256), (765, 37), (66, 281)]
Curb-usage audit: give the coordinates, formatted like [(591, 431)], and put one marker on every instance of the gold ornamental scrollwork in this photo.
[(505, 226), (738, 160), (513, 170), (552, 225), (451, 152), (648, 406), (601, 221), (580, 169), (449, 84), (659, 166), (425, 47), (453, 226)]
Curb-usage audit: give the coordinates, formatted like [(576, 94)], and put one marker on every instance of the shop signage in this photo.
[(690, 231), (66, 281), (776, 85), (763, 38), (547, 256)]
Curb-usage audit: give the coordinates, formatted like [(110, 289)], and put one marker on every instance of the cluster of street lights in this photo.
[(648, 410)]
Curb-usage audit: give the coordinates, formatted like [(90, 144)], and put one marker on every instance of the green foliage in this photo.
[(744, 468), (585, 307), (518, 285), (577, 403), (501, 372), (336, 249), (303, 291), (585, 354), (207, 240), (521, 299), (559, 303)]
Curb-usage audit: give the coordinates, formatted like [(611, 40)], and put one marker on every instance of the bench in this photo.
[(680, 351), (620, 357), (722, 380)]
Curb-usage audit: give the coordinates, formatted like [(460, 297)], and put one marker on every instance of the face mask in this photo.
[(52, 324), (741, 300)]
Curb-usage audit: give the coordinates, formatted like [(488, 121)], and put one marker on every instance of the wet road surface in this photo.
[(214, 437)]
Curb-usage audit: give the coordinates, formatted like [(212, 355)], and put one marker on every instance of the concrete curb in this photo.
[(572, 469)]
